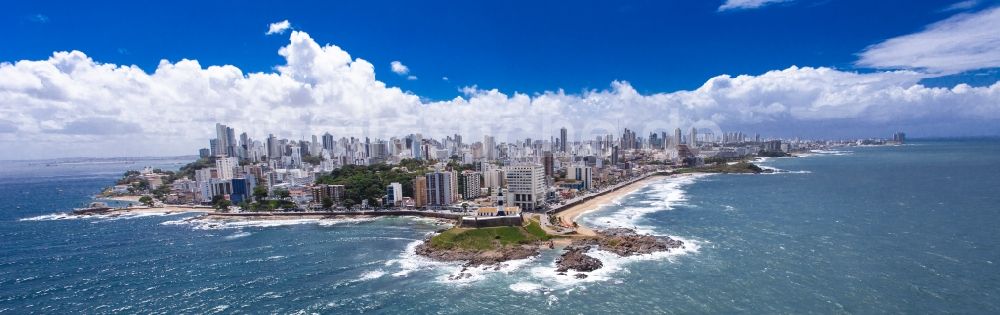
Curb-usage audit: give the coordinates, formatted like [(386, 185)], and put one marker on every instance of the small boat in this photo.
[(93, 208)]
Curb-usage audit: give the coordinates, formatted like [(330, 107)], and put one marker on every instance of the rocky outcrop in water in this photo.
[(621, 241), (628, 242), (575, 258), (477, 258)]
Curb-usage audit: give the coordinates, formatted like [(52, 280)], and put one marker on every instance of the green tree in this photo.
[(141, 185), (221, 203), (282, 193), (312, 159), (161, 192), (146, 200), (327, 203), (259, 193)]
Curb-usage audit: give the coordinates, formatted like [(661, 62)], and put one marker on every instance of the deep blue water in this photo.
[(908, 229)]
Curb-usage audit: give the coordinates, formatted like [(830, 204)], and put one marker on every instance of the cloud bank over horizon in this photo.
[(72, 105)]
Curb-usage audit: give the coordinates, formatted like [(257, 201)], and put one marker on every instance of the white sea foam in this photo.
[(53, 217), (99, 217), (831, 152), (219, 309), (371, 275), (209, 224), (347, 220), (269, 258), (133, 215), (238, 235), (528, 287), (462, 275), (409, 262), (612, 265), (665, 195), (775, 170)]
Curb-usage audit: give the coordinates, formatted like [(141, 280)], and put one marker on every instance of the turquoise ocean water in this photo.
[(907, 229)]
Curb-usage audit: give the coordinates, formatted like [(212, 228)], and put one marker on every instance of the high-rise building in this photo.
[(417, 147), (548, 162), (220, 139), (526, 186), (327, 141), (693, 138), (442, 188), (493, 178), (230, 142), (273, 147), (296, 155), (225, 166), (628, 141), (213, 145), (419, 191), (677, 137), (582, 173), (899, 137), (471, 184), (323, 191), (226, 140), (489, 148), (393, 194), (772, 146), (562, 139)]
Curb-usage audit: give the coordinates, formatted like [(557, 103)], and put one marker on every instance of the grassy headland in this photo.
[(737, 168), (492, 238)]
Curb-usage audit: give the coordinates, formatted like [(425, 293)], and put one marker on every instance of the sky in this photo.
[(116, 78)]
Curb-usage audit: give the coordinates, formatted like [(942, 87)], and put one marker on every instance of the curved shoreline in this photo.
[(569, 216)]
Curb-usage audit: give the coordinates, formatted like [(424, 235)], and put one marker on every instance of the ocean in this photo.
[(903, 229)]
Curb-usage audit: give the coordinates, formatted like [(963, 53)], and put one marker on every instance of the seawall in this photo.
[(440, 215)]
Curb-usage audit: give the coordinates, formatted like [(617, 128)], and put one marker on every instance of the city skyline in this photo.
[(95, 105)]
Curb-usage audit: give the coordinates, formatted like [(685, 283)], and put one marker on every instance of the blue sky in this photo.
[(152, 78), (525, 46)]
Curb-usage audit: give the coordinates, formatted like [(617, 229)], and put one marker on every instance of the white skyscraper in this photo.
[(489, 147), (493, 178), (225, 167), (394, 194), (526, 186)]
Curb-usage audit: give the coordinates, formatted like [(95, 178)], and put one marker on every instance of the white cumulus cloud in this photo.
[(278, 27), (86, 107), (747, 4), (960, 43), (399, 68)]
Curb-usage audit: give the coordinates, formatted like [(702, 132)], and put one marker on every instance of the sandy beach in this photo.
[(569, 216)]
